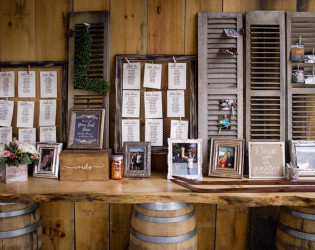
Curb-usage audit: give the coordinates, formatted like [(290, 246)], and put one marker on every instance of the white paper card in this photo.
[(6, 135), (131, 103), (153, 104), (48, 84), (154, 131), (130, 130), (47, 114), (27, 135), (175, 103), (6, 113), (47, 134), (26, 84), (131, 75), (177, 75), (25, 114), (7, 82), (179, 130), (152, 76)]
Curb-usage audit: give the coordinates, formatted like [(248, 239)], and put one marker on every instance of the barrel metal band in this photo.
[(164, 206), (6, 204), (164, 219), (163, 240), (19, 212), (22, 231), (296, 234), (299, 214)]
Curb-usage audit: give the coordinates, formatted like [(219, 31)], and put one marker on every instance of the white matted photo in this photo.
[(185, 158), (302, 154)]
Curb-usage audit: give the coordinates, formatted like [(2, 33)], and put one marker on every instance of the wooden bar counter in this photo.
[(131, 191)]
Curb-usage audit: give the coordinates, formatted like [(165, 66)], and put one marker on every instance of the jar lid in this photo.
[(118, 157)]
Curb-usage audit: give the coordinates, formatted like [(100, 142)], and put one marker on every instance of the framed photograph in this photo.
[(48, 163), (302, 154), (266, 160), (228, 104), (137, 157), (231, 32), (224, 122), (185, 158), (226, 157), (86, 129)]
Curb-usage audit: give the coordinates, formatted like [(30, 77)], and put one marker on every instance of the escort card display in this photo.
[(152, 76), (25, 116), (26, 84), (47, 115), (130, 130), (131, 76), (6, 113), (27, 135), (7, 82), (48, 84), (5, 135), (47, 134)]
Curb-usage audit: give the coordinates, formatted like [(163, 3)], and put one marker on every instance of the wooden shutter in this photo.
[(301, 97), (265, 76), (220, 76), (99, 68)]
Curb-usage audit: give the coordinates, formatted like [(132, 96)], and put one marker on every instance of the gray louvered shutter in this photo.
[(220, 76), (265, 76), (99, 67), (301, 97)]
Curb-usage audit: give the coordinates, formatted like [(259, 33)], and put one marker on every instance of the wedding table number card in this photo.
[(152, 76), (7, 82), (26, 84), (131, 75), (25, 115), (47, 134), (48, 84), (177, 75), (175, 103), (130, 130), (47, 114), (27, 135), (131, 103), (179, 130), (154, 131), (6, 135), (153, 104), (6, 113)]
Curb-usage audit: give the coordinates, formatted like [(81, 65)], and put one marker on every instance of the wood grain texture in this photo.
[(83, 5), (17, 36), (91, 225), (51, 30), (205, 216), (120, 222), (232, 227), (282, 5), (191, 12), (240, 5), (305, 5), (166, 26), (58, 225)]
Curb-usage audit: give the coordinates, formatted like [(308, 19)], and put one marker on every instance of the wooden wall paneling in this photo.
[(95, 5), (263, 226), (91, 225), (220, 76), (191, 25), (279, 5), (17, 35), (120, 222), (305, 5), (232, 227), (205, 216), (240, 5), (58, 225), (300, 96), (51, 30)]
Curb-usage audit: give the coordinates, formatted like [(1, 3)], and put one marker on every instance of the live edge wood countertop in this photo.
[(141, 190)]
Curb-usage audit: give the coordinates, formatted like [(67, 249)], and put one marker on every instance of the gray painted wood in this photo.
[(92, 17), (300, 97), (220, 76)]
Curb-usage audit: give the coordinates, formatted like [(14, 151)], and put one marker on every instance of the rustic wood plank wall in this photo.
[(36, 30)]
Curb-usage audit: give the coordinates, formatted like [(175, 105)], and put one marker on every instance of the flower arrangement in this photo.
[(16, 153)]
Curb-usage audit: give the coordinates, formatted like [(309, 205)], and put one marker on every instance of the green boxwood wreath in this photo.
[(82, 62)]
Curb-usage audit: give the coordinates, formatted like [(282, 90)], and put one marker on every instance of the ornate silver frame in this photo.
[(293, 156)]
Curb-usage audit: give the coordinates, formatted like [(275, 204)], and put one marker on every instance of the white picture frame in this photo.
[(187, 149)]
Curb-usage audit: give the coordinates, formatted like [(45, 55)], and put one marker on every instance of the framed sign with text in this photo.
[(86, 129)]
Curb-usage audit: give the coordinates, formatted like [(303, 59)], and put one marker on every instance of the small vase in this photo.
[(15, 174)]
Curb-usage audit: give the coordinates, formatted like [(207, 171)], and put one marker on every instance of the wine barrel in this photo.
[(296, 228), (20, 226), (163, 225)]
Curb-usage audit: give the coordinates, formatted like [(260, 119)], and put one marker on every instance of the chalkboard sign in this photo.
[(86, 129)]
